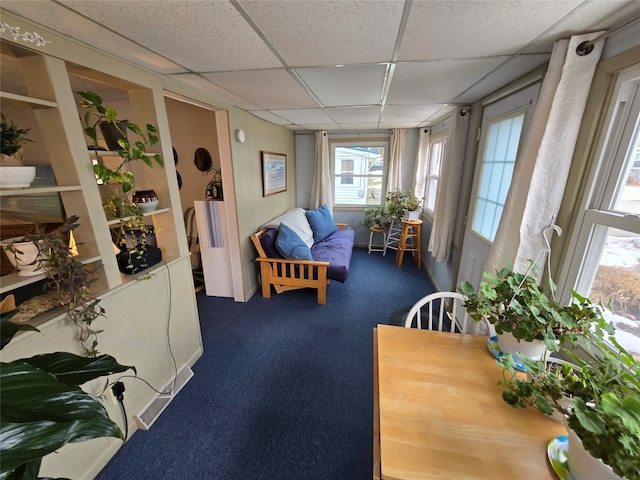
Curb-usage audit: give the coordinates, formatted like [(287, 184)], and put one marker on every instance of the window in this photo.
[(606, 259), (434, 167), (498, 160), (359, 173)]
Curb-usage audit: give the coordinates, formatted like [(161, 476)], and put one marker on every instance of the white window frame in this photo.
[(604, 184), (439, 135), (374, 142)]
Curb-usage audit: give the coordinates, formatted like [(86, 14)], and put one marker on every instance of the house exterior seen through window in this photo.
[(359, 173)]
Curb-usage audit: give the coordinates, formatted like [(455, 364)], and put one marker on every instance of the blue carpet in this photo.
[(284, 389)]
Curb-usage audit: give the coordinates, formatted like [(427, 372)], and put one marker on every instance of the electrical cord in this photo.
[(168, 390)]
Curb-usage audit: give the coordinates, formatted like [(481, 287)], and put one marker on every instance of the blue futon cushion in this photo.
[(290, 245), (321, 222)]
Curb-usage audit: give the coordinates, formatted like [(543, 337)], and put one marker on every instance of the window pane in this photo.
[(628, 200), (358, 174), (432, 188), (501, 147), (617, 280)]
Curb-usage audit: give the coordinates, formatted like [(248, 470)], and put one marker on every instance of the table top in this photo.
[(442, 415)]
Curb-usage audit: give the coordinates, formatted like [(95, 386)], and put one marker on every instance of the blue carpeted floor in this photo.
[(284, 389)]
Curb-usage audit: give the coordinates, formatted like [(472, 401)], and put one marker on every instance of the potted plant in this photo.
[(214, 187), (12, 138), (69, 280), (403, 203), (43, 407), (524, 317), (375, 217), (128, 150), (600, 398)]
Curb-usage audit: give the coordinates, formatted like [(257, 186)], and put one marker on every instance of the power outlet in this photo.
[(111, 396)]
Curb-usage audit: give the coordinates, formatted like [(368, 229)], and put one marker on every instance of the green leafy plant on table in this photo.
[(375, 216), (397, 201), (514, 303), (42, 406), (69, 280), (600, 396)]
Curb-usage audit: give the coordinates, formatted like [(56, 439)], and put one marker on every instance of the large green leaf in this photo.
[(31, 394), (8, 329), (21, 443), (73, 369)]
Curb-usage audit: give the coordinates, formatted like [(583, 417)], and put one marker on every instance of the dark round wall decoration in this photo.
[(202, 159), (175, 156), (179, 180)]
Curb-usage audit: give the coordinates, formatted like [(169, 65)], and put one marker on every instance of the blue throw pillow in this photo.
[(321, 223), (291, 246)]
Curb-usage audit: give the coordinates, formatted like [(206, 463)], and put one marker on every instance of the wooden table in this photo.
[(439, 413)]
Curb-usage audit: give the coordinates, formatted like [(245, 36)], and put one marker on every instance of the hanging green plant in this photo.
[(129, 150)]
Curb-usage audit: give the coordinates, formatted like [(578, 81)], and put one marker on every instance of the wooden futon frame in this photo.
[(286, 274)]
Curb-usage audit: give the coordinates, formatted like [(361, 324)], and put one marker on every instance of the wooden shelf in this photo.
[(15, 192), (118, 221), (21, 99), (13, 280)]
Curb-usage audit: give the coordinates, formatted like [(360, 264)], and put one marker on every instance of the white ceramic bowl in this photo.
[(16, 177)]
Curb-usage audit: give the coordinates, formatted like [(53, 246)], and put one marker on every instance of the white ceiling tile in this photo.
[(201, 36), (359, 126), (412, 113), (471, 29), (268, 89), (396, 124), (354, 114), (320, 126), (270, 117), (76, 26), (304, 115), (438, 81), (348, 85), (609, 12), (308, 33), (505, 74), (204, 85)]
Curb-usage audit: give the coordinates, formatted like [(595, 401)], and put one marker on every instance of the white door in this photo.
[(504, 124)]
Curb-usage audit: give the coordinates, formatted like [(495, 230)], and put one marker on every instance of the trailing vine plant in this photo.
[(69, 279)]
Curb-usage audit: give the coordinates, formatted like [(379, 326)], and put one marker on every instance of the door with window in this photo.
[(504, 125), (605, 260)]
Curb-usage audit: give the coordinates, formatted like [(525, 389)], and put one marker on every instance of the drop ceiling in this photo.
[(333, 65)]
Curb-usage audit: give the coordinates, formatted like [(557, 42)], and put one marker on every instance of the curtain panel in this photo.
[(394, 180), (446, 208), (422, 163), (322, 188), (542, 167)]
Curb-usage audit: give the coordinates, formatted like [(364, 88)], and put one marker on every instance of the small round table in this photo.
[(377, 248)]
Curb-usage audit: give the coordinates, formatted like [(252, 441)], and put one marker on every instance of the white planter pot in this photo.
[(16, 176), (25, 258), (412, 214), (583, 465), (510, 344)]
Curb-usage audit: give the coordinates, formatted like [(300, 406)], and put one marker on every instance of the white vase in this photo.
[(583, 465), (25, 257), (412, 214), (510, 344), (16, 176)]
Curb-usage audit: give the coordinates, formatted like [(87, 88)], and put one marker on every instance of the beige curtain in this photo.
[(542, 167), (321, 188), (446, 209), (422, 162), (394, 179)]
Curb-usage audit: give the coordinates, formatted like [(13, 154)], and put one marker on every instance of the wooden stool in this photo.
[(377, 248), (411, 229)]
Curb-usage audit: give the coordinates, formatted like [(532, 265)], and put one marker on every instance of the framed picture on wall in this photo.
[(274, 173)]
